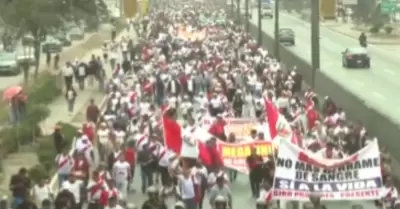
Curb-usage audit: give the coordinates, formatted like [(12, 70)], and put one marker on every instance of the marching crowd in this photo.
[(161, 89)]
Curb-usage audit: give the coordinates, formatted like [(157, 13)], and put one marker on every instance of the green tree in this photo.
[(35, 18)]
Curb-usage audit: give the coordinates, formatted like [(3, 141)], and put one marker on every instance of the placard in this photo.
[(235, 154), (299, 173)]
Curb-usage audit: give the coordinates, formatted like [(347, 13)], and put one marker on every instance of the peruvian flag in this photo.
[(279, 127), (183, 143)]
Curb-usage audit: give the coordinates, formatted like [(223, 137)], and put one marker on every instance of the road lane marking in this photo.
[(387, 71), (378, 95)]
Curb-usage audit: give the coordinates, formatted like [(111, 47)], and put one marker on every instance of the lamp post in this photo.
[(259, 41), (315, 53), (238, 11), (276, 31), (233, 8), (247, 15)]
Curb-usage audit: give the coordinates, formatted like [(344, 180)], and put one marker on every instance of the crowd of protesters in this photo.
[(183, 70)]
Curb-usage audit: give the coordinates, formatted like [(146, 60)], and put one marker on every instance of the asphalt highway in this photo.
[(377, 86)]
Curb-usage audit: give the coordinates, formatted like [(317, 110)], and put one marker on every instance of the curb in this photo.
[(369, 41), (340, 32)]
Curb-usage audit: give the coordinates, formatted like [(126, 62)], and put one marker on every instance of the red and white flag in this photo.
[(185, 146)]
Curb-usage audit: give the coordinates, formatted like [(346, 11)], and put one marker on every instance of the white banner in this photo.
[(299, 173)]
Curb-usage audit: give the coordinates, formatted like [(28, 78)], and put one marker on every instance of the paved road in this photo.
[(377, 86), (8, 81)]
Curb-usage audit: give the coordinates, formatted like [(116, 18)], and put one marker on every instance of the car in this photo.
[(9, 63), (267, 11), (286, 36), (26, 53), (356, 57), (76, 34), (51, 45)]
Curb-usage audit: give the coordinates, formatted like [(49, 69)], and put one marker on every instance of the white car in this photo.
[(267, 11)]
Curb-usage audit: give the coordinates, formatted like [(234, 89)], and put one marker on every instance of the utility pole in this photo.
[(247, 16), (259, 23), (238, 11), (315, 48), (233, 9), (276, 31)]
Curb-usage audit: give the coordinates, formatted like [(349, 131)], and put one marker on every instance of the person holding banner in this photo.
[(254, 162)]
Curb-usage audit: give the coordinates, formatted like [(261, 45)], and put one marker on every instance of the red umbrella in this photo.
[(11, 92)]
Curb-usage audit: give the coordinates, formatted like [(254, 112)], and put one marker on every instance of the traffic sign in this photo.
[(388, 6)]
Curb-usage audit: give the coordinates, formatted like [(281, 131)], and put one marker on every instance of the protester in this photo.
[(20, 185), (41, 192)]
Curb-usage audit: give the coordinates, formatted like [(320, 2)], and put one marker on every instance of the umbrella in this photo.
[(11, 92)]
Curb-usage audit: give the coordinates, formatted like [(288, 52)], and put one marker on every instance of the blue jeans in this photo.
[(17, 201), (146, 174), (62, 178), (190, 203)]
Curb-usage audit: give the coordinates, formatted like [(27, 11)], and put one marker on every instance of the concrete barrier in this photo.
[(356, 109)]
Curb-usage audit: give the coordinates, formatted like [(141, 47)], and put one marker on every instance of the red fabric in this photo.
[(312, 117), (104, 198), (217, 128), (146, 54), (183, 79), (130, 156), (88, 130), (172, 133), (82, 166), (173, 138), (272, 115), (133, 97)]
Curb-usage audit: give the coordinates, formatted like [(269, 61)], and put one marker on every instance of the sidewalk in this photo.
[(59, 112), (351, 30)]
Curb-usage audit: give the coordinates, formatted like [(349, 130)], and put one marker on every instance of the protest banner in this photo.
[(299, 173), (241, 127), (235, 154)]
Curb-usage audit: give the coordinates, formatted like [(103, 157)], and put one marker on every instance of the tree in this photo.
[(35, 18)]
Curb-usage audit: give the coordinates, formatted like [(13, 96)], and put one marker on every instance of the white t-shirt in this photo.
[(74, 188), (103, 135), (186, 186), (119, 136), (121, 171), (199, 173), (216, 103), (81, 71), (41, 193), (68, 71), (212, 177), (64, 164)]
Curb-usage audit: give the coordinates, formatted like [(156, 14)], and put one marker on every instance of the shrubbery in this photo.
[(46, 152), (40, 94)]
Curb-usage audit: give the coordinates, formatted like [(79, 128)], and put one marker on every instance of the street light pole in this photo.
[(233, 9), (315, 54), (276, 31), (259, 23), (247, 16), (238, 10)]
